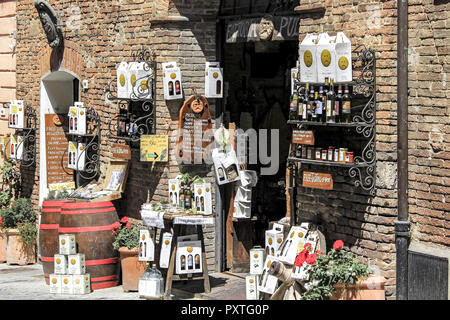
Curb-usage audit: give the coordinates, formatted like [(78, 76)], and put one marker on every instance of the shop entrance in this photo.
[(59, 91), (259, 87)]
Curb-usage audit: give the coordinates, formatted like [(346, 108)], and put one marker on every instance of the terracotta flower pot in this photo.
[(132, 268), (371, 288), (17, 252), (3, 246)]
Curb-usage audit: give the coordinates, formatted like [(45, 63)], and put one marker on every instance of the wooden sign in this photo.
[(195, 119), (317, 180), (154, 148), (56, 126), (303, 137), (121, 151)]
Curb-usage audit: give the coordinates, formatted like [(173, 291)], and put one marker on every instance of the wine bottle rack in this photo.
[(139, 107), (363, 169), (29, 138)]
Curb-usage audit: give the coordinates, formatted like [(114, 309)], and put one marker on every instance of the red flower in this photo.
[(311, 259), (319, 252), (128, 226), (301, 258), (124, 220), (338, 245), (308, 246), (116, 225)]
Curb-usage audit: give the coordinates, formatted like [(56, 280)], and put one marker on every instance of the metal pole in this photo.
[(402, 223)]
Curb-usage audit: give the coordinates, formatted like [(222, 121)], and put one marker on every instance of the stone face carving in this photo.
[(50, 23)]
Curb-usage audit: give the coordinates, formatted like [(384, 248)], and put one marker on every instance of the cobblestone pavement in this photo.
[(27, 283)]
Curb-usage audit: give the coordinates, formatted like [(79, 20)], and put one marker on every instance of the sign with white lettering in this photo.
[(317, 180), (277, 28)]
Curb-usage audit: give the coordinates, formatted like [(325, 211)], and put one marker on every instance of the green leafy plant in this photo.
[(126, 233), (10, 175), (20, 211), (28, 233), (54, 195), (336, 267)]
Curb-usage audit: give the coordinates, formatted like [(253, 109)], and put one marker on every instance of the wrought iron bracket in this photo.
[(138, 106)]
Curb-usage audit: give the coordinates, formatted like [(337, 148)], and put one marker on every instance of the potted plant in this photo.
[(338, 275), (19, 220), (126, 233)]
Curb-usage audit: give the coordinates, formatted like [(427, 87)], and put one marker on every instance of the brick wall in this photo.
[(98, 36), (365, 223), (7, 64)]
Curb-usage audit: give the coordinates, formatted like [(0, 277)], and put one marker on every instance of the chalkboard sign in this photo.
[(56, 126), (195, 119)]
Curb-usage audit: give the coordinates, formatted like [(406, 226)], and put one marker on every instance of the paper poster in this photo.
[(115, 180), (154, 148)]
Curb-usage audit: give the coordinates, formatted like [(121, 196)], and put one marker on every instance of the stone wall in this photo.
[(98, 36)]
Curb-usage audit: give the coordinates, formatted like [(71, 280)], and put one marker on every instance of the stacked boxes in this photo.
[(70, 269)]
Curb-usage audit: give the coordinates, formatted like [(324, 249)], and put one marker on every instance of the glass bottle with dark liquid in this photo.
[(190, 262), (187, 199), (346, 106), (310, 104), (319, 105), (177, 87), (197, 261), (338, 105), (183, 262), (218, 87), (221, 174), (170, 88), (202, 204)]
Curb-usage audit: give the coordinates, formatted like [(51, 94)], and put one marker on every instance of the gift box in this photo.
[(166, 245), (344, 67), (307, 57), (251, 287), (55, 283), (213, 80), (67, 284), (189, 257), (81, 156), (174, 191), (289, 248), (326, 58), (144, 85), (242, 210), (172, 81), (274, 239), (67, 244), (268, 283), (81, 118), (76, 264), (133, 69), (72, 154), (16, 147), (123, 81), (256, 261), (16, 115), (60, 264), (81, 283), (203, 198), (146, 245), (226, 166)]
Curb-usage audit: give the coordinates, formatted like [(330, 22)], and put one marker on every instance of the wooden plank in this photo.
[(309, 8), (171, 269), (288, 194), (229, 230), (206, 284)]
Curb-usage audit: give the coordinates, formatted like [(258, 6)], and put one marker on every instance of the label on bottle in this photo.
[(346, 107), (328, 108), (319, 107), (336, 107), (149, 288), (304, 108)]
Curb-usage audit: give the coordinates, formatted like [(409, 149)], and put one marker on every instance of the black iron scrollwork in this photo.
[(140, 105), (28, 143), (50, 22), (91, 150)]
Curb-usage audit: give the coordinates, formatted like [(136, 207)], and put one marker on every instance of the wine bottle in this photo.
[(346, 105), (293, 107), (314, 106), (319, 105), (309, 105), (330, 98), (304, 116), (338, 105)]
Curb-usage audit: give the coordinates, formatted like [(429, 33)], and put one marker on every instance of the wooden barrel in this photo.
[(92, 224), (48, 235)]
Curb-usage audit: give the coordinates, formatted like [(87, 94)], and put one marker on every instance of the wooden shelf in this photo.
[(324, 124), (326, 163)]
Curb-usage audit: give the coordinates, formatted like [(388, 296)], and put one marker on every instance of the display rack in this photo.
[(90, 152), (137, 106), (29, 138), (363, 169)]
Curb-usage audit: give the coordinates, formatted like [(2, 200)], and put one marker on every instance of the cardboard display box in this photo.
[(268, 283), (146, 245), (274, 239), (326, 58), (16, 147), (307, 56), (166, 245), (256, 261), (213, 80), (55, 283), (226, 166), (289, 248), (60, 264), (123, 80), (67, 244), (172, 81), (16, 115), (189, 257), (76, 264), (251, 287), (203, 199), (174, 191), (81, 283)]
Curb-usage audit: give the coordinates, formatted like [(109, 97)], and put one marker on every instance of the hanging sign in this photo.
[(56, 126), (264, 28), (154, 148), (303, 137), (194, 121), (121, 151), (317, 180)]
